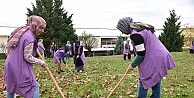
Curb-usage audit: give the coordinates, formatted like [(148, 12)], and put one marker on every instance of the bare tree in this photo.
[(188, 34), (89, 42), (2, 47), (2, 50)]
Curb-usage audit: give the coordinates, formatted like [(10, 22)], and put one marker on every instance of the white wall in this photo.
[(3, 40)]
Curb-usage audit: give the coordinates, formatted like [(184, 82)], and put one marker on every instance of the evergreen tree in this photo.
[(59, 25), (119, 46), (171, 36)]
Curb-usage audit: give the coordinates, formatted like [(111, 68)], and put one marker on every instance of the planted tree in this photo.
[(188, 33), (59, 25), (2, 47), (2, 50), (89, 42), (119, 46), (171, 36)]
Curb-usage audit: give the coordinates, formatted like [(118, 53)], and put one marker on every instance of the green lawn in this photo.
[(102, 73)]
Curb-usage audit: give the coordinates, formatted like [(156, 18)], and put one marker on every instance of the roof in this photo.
[(100, 32), (6, 31), (99, 49), (108, 33), (97, 32), (102, 49)]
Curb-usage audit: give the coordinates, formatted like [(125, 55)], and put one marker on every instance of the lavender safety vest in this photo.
[(57, 55), (82, 56), (41, 50), (192, 46), (18, 73), (157, 60), (126, 50)]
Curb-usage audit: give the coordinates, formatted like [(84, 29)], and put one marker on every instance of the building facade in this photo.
[(106, 39)]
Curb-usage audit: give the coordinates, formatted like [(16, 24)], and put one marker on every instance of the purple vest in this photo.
[(41, 50), (192, 46), (83, 58), (57, 55), (51, 46), (157, 60), (18, 74), (125, 50)]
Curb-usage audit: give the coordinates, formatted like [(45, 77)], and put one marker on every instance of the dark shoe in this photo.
[(62, 71)]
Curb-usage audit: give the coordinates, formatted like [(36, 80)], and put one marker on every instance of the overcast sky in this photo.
[(104, 13)]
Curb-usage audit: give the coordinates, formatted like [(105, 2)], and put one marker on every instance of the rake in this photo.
[(118, 83), (50, 74)]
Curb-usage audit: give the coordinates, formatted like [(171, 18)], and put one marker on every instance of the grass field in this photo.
[(102, 73)]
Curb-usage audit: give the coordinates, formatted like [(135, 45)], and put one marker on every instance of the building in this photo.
[(4, 34), (106, 38)]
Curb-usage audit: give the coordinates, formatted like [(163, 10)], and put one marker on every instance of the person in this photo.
[(58, 55), (52, 49), (41, 47), (69, 52), (21, 51), (78, 56), (152, 58), (126, 51), (192, 48)]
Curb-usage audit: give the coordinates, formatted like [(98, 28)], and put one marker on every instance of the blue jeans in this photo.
[(36, 93), (67, 56), (142, 93)]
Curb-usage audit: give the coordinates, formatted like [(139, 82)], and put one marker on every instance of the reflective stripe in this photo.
[(140, 47)]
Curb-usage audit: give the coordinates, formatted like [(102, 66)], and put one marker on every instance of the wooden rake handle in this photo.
[(50, 74), (118, 83)]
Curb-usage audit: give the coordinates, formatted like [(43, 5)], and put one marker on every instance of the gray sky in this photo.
[(104, 13)]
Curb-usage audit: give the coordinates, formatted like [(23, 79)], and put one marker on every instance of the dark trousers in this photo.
[(191, 51), (52, 55), (79, 65), (129, 56)]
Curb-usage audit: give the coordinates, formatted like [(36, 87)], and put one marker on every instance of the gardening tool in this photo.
[(49, 72), (118, 83)]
